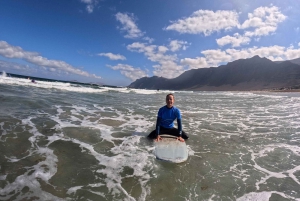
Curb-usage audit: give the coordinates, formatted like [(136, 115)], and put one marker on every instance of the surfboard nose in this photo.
[(170, 149)]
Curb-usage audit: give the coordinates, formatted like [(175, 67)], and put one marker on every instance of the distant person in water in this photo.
[(33, 81), (165, 121)]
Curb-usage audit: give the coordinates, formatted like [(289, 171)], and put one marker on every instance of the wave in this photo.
[(78, 87)]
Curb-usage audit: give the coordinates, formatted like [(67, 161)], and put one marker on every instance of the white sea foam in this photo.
[(234, 139), (43, 170), (74, 189), (140, 91), (3, 131), (282, 174), (263, 196), (3, 177), (76, 88), (128, 153)]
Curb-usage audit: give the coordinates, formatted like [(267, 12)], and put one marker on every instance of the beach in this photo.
[(63, 141)]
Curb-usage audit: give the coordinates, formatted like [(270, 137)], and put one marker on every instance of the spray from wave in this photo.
[(3, 74)]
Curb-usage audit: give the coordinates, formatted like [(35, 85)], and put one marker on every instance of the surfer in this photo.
[(165, 121)]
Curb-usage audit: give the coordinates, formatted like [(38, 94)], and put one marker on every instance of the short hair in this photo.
[(170, 95)]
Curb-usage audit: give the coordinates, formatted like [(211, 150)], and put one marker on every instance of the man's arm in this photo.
[(180, 130), (157, 128), (179, 126)]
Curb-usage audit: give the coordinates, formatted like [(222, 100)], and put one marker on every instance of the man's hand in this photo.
[(158, 138), (180, 139)]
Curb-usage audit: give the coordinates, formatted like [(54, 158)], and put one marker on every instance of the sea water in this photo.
[(61, 141)]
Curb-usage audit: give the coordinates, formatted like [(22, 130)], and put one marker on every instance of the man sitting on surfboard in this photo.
[(165, 121)]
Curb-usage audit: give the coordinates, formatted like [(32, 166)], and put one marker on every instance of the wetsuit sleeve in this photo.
[(179, 126), (159, 114), (178, 114), (179, 122), (157, 128)]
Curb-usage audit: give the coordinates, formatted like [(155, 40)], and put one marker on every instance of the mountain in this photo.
[(295, 61), (244, 74)]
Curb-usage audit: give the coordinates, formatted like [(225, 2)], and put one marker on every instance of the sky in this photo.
[(115, 42)]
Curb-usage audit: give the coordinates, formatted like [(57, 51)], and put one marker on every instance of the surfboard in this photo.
[(170, 149)]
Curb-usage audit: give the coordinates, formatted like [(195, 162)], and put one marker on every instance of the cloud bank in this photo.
[(206, 22), (166, 64), (129, 71), (16, 52)]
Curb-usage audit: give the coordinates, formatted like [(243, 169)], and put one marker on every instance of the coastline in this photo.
[(287, 90)]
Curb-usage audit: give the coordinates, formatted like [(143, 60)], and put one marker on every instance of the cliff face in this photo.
[(244, 74)]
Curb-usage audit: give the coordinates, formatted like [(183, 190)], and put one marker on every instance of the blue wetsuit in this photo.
[(165, 123), (166, 117)]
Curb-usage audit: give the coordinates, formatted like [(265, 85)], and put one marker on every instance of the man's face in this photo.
[(170, 101)]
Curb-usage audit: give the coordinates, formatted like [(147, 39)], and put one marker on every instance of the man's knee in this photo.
[(152, 135), (184, 135)]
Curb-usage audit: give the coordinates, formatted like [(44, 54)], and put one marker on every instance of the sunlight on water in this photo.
[(62, 141)]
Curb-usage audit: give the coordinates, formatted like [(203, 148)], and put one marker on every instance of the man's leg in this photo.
[(175, 132), (169, 131), (152, 135), (184, 135)]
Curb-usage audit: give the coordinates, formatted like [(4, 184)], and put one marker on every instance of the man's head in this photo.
[(170, 100)]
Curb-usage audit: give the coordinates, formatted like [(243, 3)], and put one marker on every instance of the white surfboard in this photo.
[(170, 149)]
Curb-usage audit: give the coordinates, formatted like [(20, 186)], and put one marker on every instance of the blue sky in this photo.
[(117, 42)]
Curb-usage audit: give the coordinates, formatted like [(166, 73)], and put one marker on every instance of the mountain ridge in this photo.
[(243, 74)]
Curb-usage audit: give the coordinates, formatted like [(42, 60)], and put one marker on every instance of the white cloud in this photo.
[(4, 65), (206, 22), (153, 52), (176, 45), (150, 40), (198, 62), (167, 64), (112, 56), (162, 49), (90, 5), (264, 20), (167, 69), (215, 57), (10, 51), (261, 31), (271, 52), (235, 41), (128, 23), (129, 71), (264, 16)]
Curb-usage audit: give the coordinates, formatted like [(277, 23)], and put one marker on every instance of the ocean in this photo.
[(66, 141)]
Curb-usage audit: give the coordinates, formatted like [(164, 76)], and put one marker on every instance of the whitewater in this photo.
[(62, 141)]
